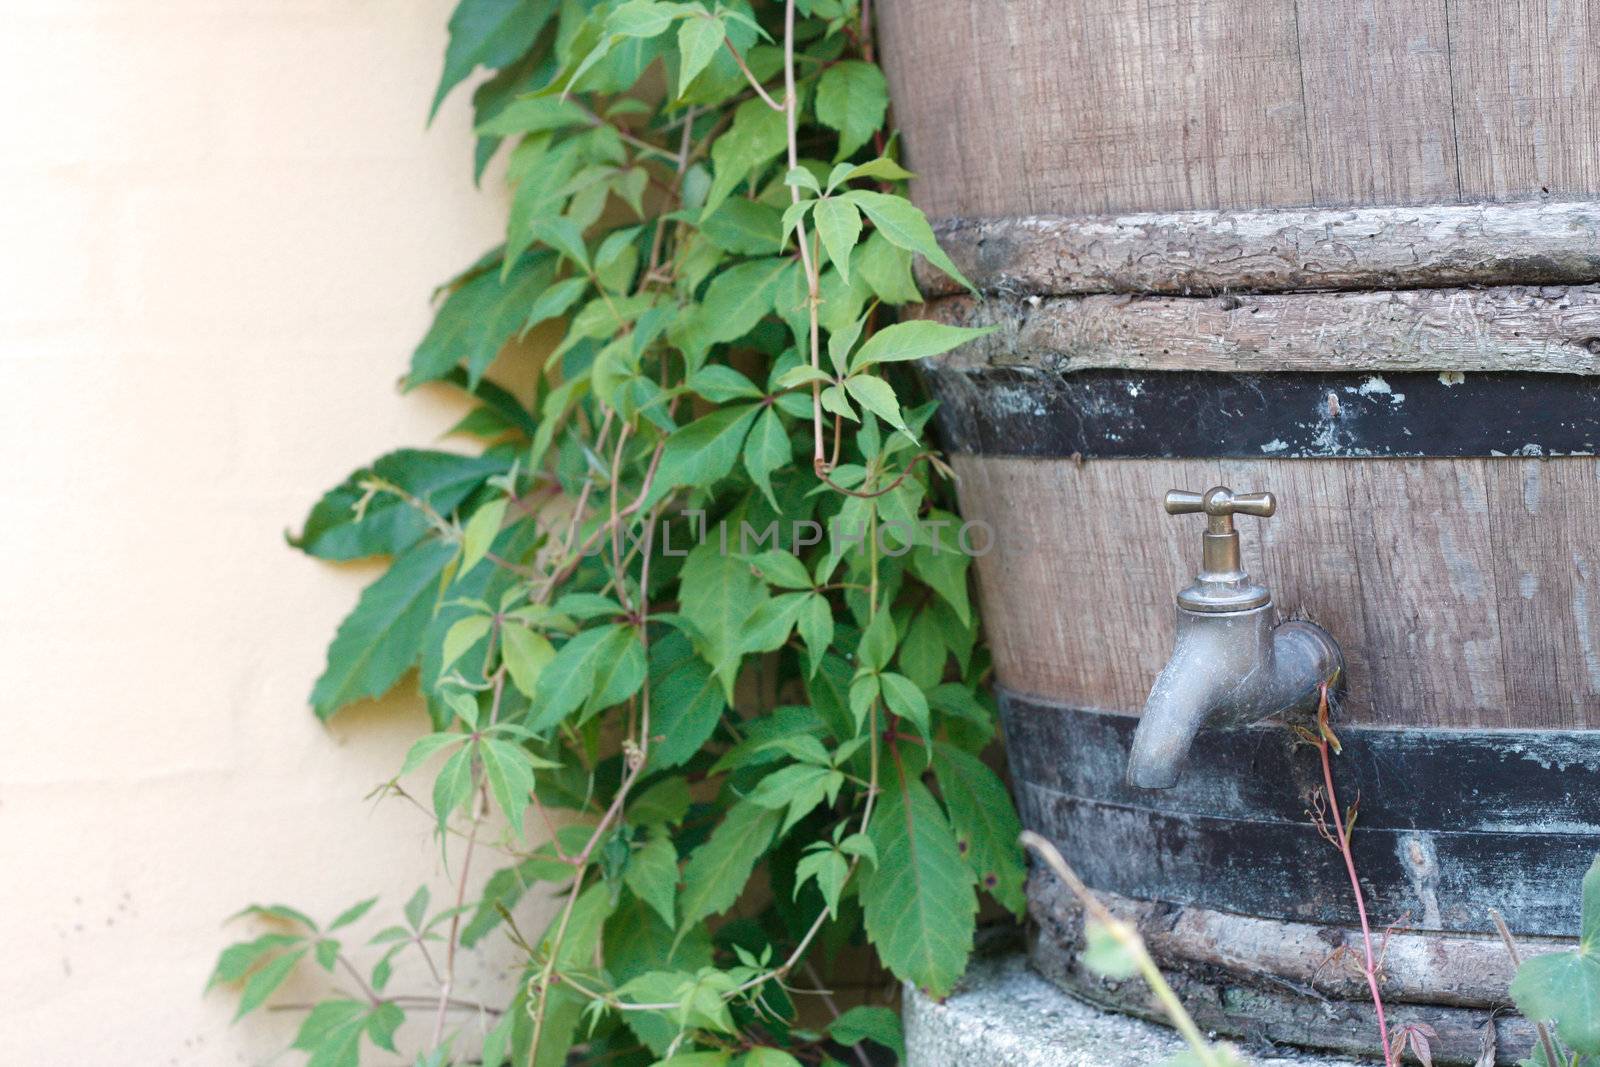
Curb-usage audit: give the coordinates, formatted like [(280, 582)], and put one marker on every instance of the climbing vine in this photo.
[(692, 622)]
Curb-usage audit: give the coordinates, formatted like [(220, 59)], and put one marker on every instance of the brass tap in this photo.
[(1230, 666)]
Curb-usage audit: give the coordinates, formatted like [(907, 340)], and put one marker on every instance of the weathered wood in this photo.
[(1274, 250), (1554, 329), (1095, 107), (1458, 970), (1259, 1008), (1397, 559), (1376, 78), (1039, 106), (1116, 414), (1527, 92)]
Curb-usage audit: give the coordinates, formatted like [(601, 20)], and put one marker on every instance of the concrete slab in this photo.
[(1004, 1015)]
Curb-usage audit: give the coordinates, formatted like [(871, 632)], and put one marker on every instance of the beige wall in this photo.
[(219, 226)]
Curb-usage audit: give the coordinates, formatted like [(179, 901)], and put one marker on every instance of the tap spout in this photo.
[(1227, 669)]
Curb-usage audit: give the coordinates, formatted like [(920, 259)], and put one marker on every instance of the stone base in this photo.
[(1004, 1015)]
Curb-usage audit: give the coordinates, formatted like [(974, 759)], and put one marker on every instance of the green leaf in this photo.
[(382, 1023), (852, 97), (903, 224), (619, 675), (804, 374), (332, 1033), (477, 319), (882, 169), (985, 821), (718, 595), (771, 623), (745, 227), (738, 298), (488, 32), (556, 300), (802, 178), (942, 564), (416, 908), (841, 341), (480, 533), (905, 700), (265, 981), (919, 906), (716, 873), (886, 269), (652, 874), (464, 706), (799, 787), (877, 396), (686, 702), (864, 691), (877, 643), (588, 668), (1564, 987), (766, 450), (665, 803), (816, 630), (765, 1056), (704, 451), (386, 524), (913, 340), (870, 1024), (643, 18), (510, 777), (698, 40), (453, 787), (830, 869), (237, 960), (1105, 955), (533, 114), (839, 224), (381, 639), (922, 652), (462, 635), (782, 569), (353, 913), (526, 654), (720, 384), (757, 136)]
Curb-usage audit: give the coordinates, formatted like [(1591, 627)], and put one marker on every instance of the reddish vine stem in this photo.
[(1342, 840)]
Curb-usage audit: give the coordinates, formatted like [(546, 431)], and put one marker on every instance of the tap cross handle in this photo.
[(1219, 557), (1220, 504)]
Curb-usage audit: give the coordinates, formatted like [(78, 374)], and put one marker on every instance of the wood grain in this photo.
[(1507, 328), (1460, 970), (1186, 253), (1085, 107), (1527, 93), (1402, 560), (1259, 1005), (1040, 106), (1377, 101)]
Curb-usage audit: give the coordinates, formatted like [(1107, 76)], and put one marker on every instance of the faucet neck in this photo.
[(1222, 584)]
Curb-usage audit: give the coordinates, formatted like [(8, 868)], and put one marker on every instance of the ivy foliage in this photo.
[(1564, 988), (692, 621)]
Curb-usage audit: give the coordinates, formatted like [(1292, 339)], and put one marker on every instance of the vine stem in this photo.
[(1370, 967), (1545, 1042), (636, 760), (1129, 938), (819, 455), (750, 77), (448, 986), (480, 808)]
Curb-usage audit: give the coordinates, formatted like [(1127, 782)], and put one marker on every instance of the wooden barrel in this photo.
[(1346, 253)]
